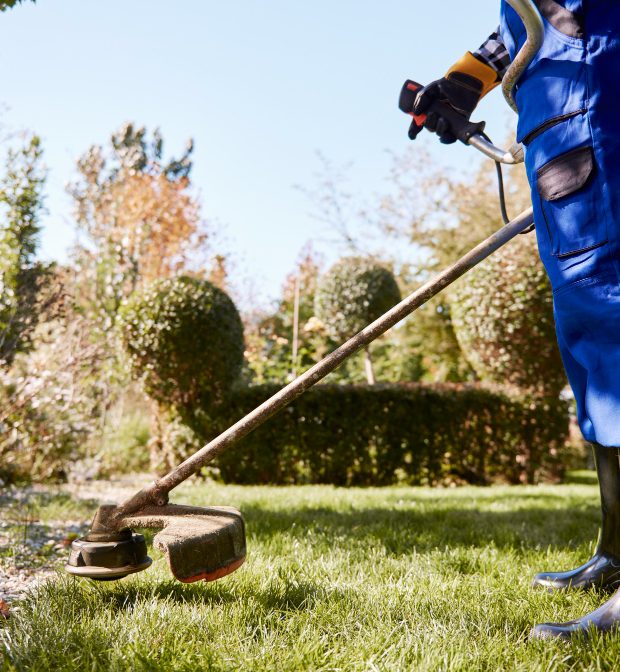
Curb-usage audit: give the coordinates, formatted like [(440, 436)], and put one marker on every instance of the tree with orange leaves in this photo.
[(137, 221)]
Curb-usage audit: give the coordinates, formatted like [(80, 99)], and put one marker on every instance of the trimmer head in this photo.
[(200, 543), (108, 557)]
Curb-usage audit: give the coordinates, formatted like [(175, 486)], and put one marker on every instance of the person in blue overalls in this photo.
[(569, 123)]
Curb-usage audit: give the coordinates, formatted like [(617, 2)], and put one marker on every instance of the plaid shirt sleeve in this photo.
[(494, 53)]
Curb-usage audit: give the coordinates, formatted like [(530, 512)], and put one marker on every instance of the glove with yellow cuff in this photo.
[(462, 87)]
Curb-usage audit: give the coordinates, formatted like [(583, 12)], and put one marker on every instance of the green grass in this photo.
[(359, 579)]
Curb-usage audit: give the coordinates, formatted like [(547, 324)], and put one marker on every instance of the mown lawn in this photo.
[(360, 579)]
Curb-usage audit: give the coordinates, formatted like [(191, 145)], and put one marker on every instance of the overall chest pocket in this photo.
[(570, 192)]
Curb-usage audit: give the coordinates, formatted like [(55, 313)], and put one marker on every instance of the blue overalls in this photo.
[(569, 122)]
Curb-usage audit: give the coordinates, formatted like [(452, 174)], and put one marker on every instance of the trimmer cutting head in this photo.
[(200, 543), (107, 557)]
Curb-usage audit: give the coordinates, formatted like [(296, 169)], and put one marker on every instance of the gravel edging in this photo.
[(33, 552)]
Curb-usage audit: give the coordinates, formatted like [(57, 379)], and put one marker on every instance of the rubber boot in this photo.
[(602, 571), (604, 619)]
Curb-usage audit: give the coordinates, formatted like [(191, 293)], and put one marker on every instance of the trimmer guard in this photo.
[(201, 543)]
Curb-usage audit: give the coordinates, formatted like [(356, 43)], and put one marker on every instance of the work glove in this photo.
[(462, 87)]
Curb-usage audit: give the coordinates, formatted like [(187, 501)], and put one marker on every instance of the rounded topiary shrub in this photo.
[(353, 293), (502, 312), (184, 338)]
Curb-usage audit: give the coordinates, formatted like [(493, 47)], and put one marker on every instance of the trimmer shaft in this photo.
[(108, 557)]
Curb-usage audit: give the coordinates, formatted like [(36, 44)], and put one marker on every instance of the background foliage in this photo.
[(8, 4), (269, 334), (269, 338), (64, 386), (353, 293), (136, 218), (22, 277), (146, 287), (440, 216), (50, 403)]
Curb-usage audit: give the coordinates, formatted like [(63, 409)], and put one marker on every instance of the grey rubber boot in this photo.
[(602, 571)]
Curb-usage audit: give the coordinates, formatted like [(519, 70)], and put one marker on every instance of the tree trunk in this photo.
[(370, 372), (295, 329)]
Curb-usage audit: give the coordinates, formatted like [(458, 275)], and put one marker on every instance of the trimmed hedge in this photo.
[(352, 294), (395, 433), (184, 339), (503, 320)]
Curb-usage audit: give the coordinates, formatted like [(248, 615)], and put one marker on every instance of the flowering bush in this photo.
[(49, 404)]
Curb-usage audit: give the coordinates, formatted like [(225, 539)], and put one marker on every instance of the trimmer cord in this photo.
[(502, 196), (500, 188)]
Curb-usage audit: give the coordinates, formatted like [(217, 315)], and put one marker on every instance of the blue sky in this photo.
[(261, 87)]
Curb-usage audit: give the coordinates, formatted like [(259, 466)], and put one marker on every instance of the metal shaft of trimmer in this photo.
[(158, 491)]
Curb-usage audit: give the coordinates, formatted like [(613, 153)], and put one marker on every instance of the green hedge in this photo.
[(383, 434)]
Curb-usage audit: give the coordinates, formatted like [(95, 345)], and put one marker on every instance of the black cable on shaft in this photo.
[(502, 196), (500, 185)]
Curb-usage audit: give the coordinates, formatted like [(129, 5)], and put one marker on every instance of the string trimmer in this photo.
[(208, 543)]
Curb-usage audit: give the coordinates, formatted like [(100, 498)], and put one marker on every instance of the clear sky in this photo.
[(260, 86)]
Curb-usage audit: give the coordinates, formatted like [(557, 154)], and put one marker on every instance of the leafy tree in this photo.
[(138, 221), (270, 334), (22, 277), (353, 293), (137, 218), (9, 4)]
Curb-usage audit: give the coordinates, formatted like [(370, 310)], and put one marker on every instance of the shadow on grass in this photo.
[(402, 531), (581, 477)]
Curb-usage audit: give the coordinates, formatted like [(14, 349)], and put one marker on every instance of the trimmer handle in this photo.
[(468, 132), (461, 127)]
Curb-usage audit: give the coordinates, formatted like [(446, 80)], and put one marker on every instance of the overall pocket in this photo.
[(568, 189), (570, 201)]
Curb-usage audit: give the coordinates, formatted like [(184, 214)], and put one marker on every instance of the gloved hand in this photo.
[(462, 87)]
